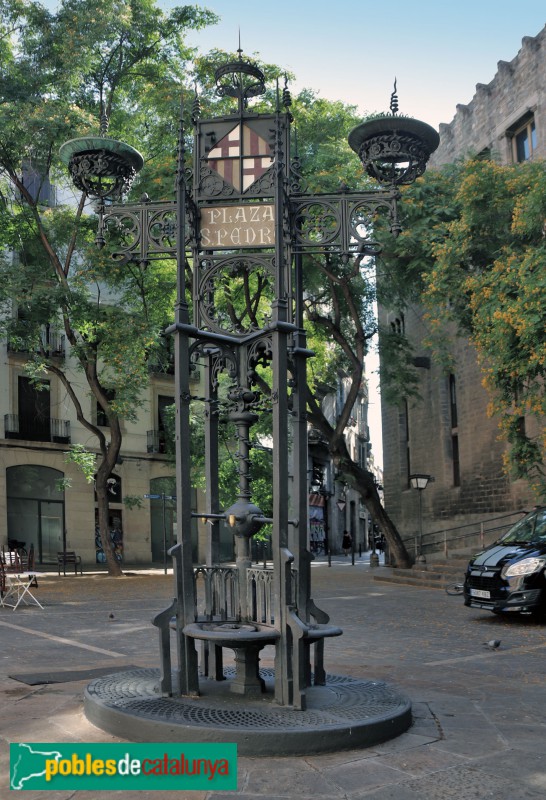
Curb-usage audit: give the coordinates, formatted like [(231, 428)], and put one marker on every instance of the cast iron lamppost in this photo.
[(420, 482), (244, 222)]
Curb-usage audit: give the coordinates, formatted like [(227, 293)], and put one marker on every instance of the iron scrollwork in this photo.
[(101, 174), (146, 231), (381, 154), (341, 223), (212, 185), (240, 79), (316, 223), (259, 353), (222, 359), (235, 293)]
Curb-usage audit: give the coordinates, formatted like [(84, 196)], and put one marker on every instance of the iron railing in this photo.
[(155, 442), (52, 344), (45, 429), (473, 534)]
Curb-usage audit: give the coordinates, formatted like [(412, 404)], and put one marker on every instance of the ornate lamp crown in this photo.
[(394, 150), (241, 79), (100, 166)]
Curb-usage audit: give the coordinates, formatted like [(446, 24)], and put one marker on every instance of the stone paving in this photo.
[(479, 715)]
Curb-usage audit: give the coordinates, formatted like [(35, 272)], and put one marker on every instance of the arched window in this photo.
[(35, 503)]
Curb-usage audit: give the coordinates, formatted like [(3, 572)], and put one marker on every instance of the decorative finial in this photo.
[(196, 105), (394, 100), (239, 78), (239, 49), (286, 97)]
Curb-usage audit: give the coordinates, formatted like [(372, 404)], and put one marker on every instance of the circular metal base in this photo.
[(345, 713)]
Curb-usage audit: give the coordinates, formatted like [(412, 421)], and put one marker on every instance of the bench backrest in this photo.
[(67, 556), (217, 594)]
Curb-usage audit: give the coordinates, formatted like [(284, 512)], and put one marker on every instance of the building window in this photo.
[(398, 325), (453, 401), (363, 454), (456, 461), (405, 456), (38, 185), (454, 417), (35, 509), (34, 409), (524, 139), (163, 403), (102, 418)]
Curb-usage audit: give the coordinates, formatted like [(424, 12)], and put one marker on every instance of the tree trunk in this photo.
[(397, 549), (363, 482), (101, 488), (112, 564)]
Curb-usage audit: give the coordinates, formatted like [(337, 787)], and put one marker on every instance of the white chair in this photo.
[(15, 589)]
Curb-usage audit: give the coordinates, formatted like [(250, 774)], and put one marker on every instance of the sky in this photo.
[(352, 50)]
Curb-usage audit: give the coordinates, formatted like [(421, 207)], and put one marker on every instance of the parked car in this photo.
[(510, 575)]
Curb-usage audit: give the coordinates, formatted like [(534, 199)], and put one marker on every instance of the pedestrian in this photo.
[(346, 542)]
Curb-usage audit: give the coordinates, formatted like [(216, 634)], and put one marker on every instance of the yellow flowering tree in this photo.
[(474, 253)]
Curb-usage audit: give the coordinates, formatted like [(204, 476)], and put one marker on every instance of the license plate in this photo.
[(480, 593)]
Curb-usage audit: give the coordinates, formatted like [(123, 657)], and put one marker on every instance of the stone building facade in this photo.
[(506, 117), (45, 501), (447, 434)]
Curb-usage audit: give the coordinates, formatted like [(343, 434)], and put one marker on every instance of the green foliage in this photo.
[(398, 375), (84, 459), (473, 252), (132, 501), (322, 127), (57, 71)]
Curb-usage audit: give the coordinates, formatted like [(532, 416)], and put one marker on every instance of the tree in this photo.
[(126, 63), (121, 62), (339, 300), (473, 249)]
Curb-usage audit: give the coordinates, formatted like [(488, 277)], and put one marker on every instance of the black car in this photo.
[(510, 574)]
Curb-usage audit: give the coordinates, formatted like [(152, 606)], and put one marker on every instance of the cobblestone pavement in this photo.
[(479, 715)]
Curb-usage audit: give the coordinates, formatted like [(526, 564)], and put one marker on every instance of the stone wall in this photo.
[(487, 121), (420, 437)]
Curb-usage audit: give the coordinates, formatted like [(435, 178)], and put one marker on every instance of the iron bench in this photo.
[(69, 557)]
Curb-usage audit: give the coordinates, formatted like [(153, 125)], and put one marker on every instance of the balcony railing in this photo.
[(44, 429), (161, 365), (156, 442), (52, 344)]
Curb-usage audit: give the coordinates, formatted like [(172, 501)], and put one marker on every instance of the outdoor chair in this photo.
[(69, 557), (17, 560), (15, 588)]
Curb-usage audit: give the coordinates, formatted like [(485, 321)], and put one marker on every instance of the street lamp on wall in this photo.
[(420, 481)]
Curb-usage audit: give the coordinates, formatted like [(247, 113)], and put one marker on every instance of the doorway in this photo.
[(36, 510)]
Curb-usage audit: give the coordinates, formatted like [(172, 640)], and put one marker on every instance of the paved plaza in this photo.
[(479, 714)]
